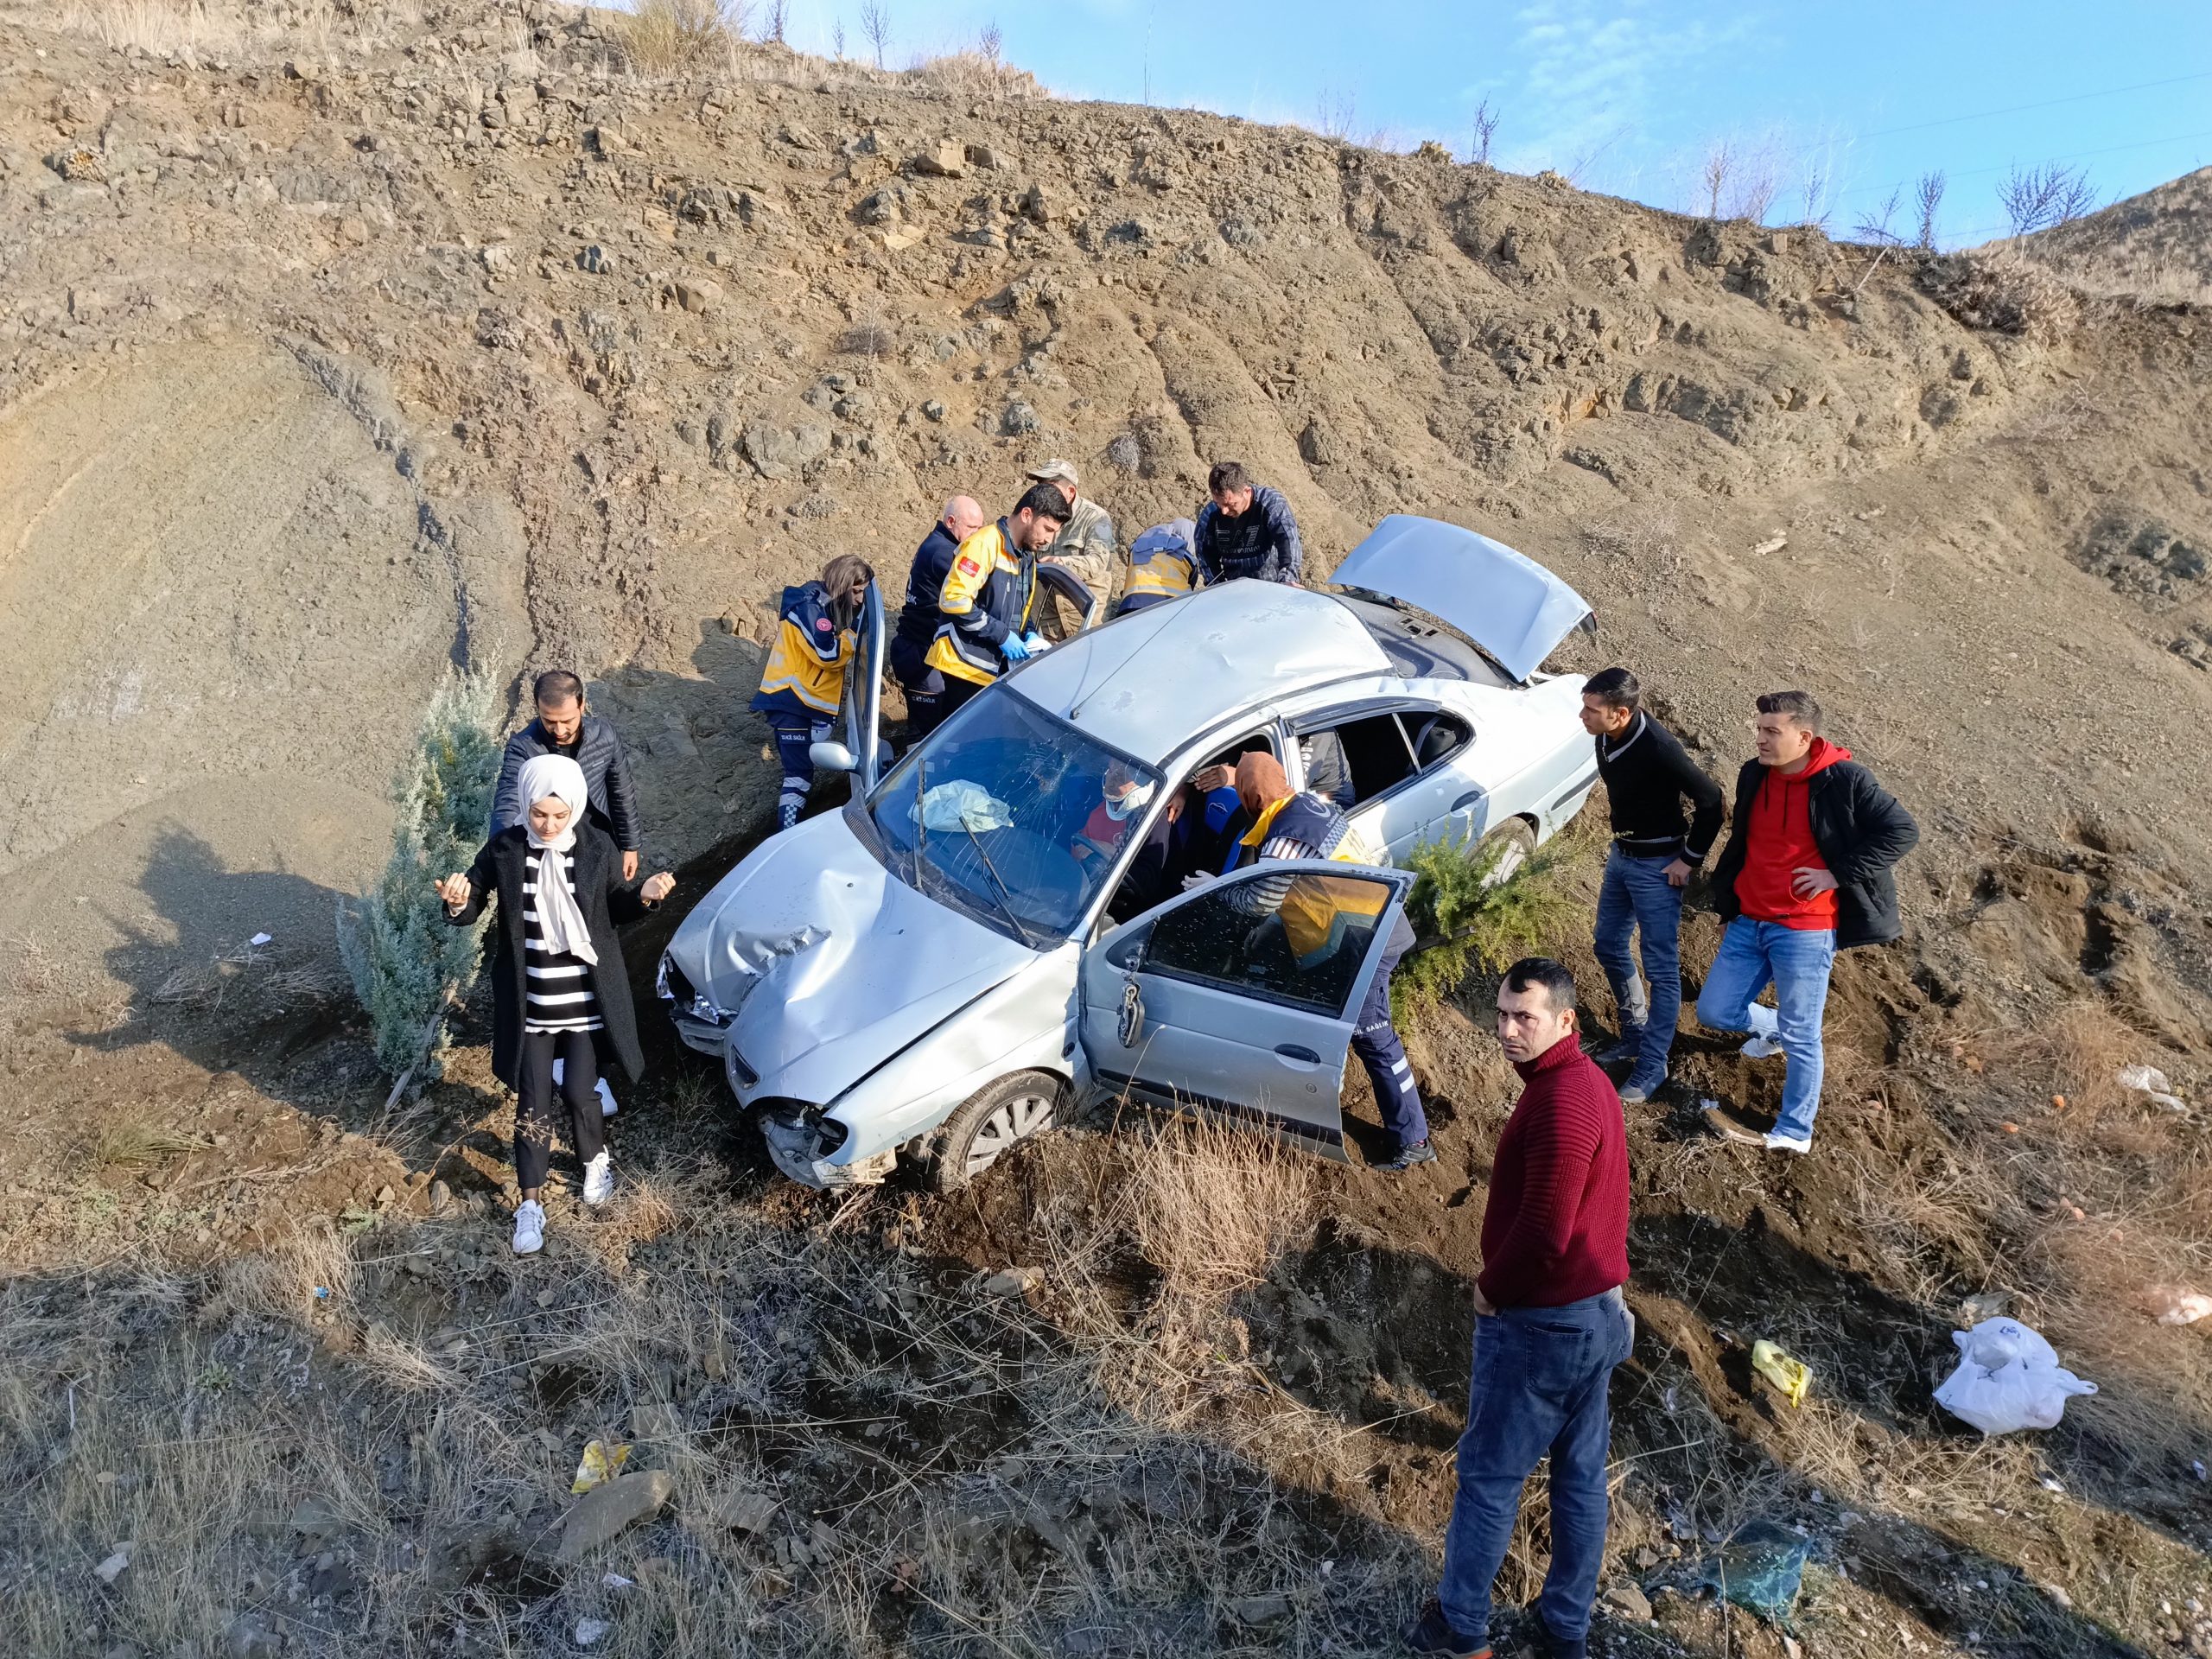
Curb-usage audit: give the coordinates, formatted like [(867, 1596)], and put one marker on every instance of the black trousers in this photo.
[(538, 1116), (955, 694)]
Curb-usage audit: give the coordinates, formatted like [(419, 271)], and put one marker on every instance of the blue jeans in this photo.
[(1795, 961), (1636, 897), (1539, 1388)]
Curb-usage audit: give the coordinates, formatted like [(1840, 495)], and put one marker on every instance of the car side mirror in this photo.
[(832, 756)]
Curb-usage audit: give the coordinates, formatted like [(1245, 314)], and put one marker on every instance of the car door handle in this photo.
[(1298, 1052), (1466, 800)]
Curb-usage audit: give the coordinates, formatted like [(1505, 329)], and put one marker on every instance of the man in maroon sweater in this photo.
[(1550, 1326)]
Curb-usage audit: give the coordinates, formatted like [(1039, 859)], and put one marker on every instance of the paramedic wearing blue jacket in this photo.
[(804, 680), (1161, 566), (918, 617)]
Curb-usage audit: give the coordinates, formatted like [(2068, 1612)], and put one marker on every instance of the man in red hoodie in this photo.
[(1808, 871), (1550, 1326)]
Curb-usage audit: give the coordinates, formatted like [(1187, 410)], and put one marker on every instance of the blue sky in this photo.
[(1628, 95)]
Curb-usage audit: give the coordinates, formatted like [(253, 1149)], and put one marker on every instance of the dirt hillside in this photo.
[(2158, 243), (342, 345)]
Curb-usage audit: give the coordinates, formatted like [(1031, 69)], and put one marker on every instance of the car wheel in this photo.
[(986, 1125), (1517, 842)]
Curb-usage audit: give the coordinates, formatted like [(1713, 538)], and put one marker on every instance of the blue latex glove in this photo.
[(1015, 649)]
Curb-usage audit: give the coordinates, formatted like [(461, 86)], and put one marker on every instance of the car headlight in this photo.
[(675, 988)]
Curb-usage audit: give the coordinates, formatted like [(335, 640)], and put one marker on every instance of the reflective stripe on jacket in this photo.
[(1161, 563), (986, 596), (805, 671), (1316, 910)]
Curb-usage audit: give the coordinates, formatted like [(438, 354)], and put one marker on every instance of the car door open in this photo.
[(859, 748), (1240, 997)]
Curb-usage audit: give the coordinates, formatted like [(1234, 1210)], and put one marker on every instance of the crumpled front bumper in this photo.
[(795, 1144)]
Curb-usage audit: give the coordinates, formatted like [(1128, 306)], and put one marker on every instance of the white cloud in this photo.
[(1592, 72)]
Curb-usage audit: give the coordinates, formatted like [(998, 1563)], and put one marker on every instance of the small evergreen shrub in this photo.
[(404, 958), (1461, 921)]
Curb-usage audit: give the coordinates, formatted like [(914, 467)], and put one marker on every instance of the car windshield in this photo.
[(1012, 813)]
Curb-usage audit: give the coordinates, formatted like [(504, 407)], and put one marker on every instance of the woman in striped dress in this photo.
[(560, 991)]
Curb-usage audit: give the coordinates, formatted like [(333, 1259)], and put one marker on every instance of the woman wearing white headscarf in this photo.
[(559, 989)]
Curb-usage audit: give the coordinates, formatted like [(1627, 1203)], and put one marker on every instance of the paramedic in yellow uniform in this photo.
[(1161, 566), (805, 678), (986, 605)]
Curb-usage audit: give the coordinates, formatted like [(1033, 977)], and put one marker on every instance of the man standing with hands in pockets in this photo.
[(1550, 1326)]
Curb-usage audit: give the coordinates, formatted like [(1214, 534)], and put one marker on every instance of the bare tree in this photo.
[(837, 39), (990, 41), (779, 19), (1720, 167), (1485, 128), (1876, 227), (2039, 197), (875, 24), (1334, 115), (1928, 196), (1815, 214), (1755, 191)]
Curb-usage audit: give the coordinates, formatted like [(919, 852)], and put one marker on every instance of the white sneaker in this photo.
[(1777, 1141), (607, 1106), (530, 1227), (598, 1181)]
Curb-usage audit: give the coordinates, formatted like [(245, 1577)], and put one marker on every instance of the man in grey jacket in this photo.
[(1247, 530), (565, 726), (1085, 546)]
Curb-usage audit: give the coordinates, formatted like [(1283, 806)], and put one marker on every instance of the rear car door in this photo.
[(1415, 765), (1216, 1001)]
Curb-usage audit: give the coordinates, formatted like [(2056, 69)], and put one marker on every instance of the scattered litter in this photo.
[(2008, 1378), (616, 1581), (2149, 1080), (112, 1568), (1984, 1304), (592, 1631), (261, 938), (1773, 543), (2051, 1484), (1788, 1373), (960, 804), (2173, 1305), (600, 1462), (322, 1292), (2197, 1467), (1760, 1568)]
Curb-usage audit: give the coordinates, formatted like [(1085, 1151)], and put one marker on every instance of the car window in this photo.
[(1005, 810), (1304, 949)]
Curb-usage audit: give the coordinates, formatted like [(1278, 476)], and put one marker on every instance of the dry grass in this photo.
[(2005, 291), (161, 27), (669, 37), (1214, 1206)]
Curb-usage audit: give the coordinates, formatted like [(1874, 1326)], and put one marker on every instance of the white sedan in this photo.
[(974, 943)]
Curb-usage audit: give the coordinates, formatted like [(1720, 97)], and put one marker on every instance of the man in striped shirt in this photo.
[(1289, 824)]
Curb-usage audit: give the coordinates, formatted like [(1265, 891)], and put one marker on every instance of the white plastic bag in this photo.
[(960, 804), (2008, 1378)]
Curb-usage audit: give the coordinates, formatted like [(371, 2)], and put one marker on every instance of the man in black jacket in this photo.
[(1246, 530), (565, 726), (918, 618), (1808, 871), (1657, 849)]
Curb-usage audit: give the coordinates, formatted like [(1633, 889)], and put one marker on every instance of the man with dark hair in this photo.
[(1808, 871), (1246, 530), (987, 608), (918, 616), (1550, 1326), (1655, 851), (1289, 824), (565, 725)]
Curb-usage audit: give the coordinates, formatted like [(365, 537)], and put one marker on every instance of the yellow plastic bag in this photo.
[(1790, 1375), (600, 1462)]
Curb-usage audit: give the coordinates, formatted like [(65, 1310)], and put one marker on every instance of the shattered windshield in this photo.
[(1017, 813)]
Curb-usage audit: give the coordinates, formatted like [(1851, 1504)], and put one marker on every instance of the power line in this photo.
[(2016, 108), (2054, 161)]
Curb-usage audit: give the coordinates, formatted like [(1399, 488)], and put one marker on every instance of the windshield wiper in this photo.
[(921, 815), (1006, 900)]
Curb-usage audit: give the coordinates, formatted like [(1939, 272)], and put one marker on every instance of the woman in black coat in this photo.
[(559, 989)]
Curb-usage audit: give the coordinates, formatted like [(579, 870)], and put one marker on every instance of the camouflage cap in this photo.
[(1057, 472)]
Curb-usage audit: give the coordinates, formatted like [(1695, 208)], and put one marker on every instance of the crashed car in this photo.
[(951, 962)]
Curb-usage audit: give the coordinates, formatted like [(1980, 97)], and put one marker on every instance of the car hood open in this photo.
[(831, 963), (1504, 601)]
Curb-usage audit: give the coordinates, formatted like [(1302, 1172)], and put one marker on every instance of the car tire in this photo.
[(986, 1125), (1518, 838)]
